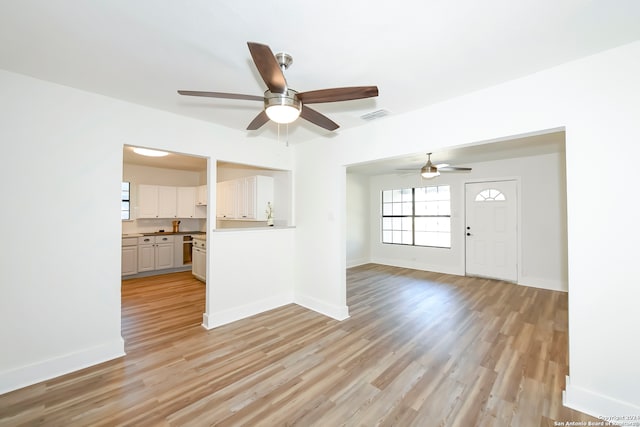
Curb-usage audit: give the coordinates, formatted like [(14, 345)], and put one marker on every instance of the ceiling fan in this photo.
[(282, 104), (429, 170)]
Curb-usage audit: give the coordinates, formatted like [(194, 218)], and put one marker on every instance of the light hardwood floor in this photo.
[(420, 349)]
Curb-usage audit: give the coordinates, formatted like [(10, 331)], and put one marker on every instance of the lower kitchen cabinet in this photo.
[(129, 256), (155, 253), (199, 263)]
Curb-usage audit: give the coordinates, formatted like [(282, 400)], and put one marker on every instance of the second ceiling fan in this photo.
[(282, 104), (429, 170)]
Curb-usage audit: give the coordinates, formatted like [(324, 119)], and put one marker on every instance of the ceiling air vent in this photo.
[(374, 115)]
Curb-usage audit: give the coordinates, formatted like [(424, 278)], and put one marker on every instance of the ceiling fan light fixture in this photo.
[(429, 173), (282, 108)]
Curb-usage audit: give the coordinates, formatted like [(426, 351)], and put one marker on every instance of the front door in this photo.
[(491, 230)]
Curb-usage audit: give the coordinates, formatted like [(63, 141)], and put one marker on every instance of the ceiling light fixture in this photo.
[(282, 108), (149, 153), (429, 170)]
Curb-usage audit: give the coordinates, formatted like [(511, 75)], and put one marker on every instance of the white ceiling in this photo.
[(523, 146), (171, 161), (417, 52)]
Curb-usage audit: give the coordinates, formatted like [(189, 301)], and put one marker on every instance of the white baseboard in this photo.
[(417, 265), (213, 320), (333, 311), (596, 404), (357, 262), (550, 284), (51, 368)]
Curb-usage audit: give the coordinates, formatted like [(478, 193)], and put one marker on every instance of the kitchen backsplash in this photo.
[(153, 225)]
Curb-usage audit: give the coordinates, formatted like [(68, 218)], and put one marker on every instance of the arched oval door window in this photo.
[(490, 195)]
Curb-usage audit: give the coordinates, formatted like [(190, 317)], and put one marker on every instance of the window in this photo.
[(126, 201), (417, 216), (489, 195)]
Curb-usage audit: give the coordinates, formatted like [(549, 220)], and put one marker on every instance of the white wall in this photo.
[(62, 162), (542, 243), (320, 206), (250, 272), (597, 100), (358, 219)]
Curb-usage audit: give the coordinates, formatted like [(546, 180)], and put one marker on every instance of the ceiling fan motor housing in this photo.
[(287, 104)]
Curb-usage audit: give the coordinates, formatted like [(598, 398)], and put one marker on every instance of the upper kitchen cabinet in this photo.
[(186, 205), (244, 198), (161, 201), (167, 202), (201, 195), (157, 201)]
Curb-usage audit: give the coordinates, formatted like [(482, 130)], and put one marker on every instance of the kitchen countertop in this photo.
[(164, 233)]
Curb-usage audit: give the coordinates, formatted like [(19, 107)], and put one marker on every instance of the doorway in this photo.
[(168, 205), (491, 230)]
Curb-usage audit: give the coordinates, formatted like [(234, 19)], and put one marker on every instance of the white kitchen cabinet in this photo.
[(226, 206), (164, 252), (186, 202), (146, 254), (199, 263), (245, 198), (155, 253), (167, 202), (129, 256), (201, 201), (201, 197), (147, 201), (157, 201)]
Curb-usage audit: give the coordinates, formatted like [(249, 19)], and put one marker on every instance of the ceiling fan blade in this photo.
[(221, 95), (453, 168), (259, 120), (318, 119), (338, 94), (268, 67)]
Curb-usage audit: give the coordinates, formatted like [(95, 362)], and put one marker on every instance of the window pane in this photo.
[(406, 208), (386, 223), (386, 236), (396, 223), (407, 224), (444, 191), (407, 237), (397, 237), (397, 195), (387, 209), (387, 196), (431, 193), (406, 195), (124, 210), (444, 207), (433, 238)]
